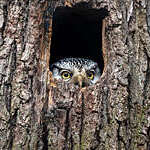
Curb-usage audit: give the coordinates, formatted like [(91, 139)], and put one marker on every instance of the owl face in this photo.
[(80, 71)]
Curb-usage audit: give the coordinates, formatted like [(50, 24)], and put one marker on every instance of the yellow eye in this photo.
[(66, 75), (90, 75)]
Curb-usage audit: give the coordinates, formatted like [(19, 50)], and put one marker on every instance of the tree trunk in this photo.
[(39, 113)]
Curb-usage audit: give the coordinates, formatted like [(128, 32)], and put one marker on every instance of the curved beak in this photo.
[(80, 80)]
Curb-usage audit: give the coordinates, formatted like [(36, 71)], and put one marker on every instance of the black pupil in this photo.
[(66, 74), (90, 74)]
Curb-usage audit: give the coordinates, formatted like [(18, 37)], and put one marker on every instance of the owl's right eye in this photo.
[(66, 75)]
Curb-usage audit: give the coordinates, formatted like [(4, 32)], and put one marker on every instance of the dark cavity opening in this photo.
[(77, 32)]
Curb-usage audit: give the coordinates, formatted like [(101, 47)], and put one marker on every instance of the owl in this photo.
[(79, 71)]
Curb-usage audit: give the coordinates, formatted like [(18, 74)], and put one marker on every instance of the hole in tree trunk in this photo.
[(77, 32)]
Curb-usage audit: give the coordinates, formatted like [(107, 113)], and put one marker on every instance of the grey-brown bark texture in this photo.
[(36, 113)]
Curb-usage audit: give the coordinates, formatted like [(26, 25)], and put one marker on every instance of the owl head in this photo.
[(80, 71)]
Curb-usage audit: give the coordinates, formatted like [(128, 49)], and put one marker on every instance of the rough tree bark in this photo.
[(36, 113)]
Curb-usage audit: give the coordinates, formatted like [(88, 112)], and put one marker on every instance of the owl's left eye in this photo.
[(90, 75), (66, 75)]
